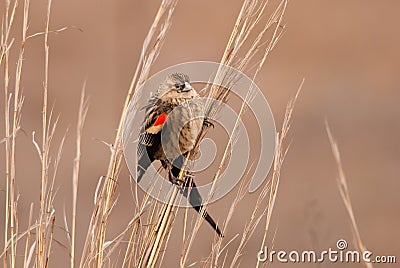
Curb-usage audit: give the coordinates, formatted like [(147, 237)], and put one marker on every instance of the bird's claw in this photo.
[(175, 180)]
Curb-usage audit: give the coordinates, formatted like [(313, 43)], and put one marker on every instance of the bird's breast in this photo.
[(182, 129)]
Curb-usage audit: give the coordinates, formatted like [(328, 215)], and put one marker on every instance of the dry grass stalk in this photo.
[(344, 192), (249, 16), (160, 231), (46, 210), (94, 244), (271, 187), (11, 218), (46, 222), (18, 102), (28, 236), (83, 109), (18, 237), (145, 234), (132, 251), (280, 154), (161, 228), (150, 241), (247, 22), (217, 248), (4, 55)]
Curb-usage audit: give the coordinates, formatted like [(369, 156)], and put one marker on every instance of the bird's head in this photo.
[(177, 86)]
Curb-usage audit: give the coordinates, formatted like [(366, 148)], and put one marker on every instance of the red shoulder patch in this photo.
[(161, 119)]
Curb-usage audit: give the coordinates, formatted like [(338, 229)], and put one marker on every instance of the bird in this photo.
[(174, 119)]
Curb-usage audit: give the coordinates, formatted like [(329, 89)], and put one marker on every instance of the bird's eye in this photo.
[(177, 86)]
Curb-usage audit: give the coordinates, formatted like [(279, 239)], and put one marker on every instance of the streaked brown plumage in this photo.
[(173, 121)]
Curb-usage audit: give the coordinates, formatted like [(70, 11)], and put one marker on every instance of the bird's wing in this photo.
[(155, 118)]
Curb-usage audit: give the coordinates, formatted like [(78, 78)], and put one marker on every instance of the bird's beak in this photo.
[(188, 87)]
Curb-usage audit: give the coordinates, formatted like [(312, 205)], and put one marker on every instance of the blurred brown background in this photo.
[(347, 51)]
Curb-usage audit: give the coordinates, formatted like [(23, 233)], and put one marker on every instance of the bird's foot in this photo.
[(175, 180)]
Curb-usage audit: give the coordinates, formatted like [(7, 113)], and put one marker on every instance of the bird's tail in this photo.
[(143, 164), (140, 172), (194, 196), (195, 200)]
